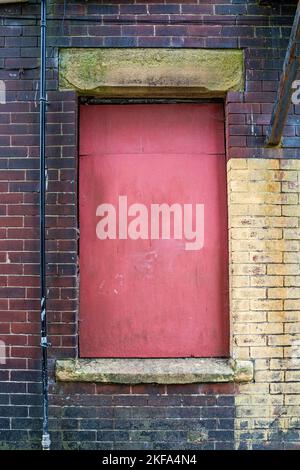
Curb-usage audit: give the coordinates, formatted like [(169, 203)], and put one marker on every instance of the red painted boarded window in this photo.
[(153, 231)]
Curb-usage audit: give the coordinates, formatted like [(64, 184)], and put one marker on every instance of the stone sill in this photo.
[(160, 371), (2, 2)]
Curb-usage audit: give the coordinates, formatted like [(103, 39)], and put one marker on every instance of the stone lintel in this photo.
[(151, 72)]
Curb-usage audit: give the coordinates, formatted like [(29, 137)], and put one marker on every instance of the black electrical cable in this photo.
[(44, 342)]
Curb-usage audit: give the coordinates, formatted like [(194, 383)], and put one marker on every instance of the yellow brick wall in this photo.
[(264, 243)]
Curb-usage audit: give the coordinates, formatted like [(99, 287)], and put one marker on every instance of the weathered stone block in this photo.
[(138, 72), (163, 371)]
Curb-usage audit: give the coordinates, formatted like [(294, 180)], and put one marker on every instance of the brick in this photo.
[(164, 9), (292, 328), (293, 304), (240, 305), (259, 209), (291, 258), (288, 292), (202, 9), (290, 187), (291, 234), (287, 388), (258, 329), (279, 340), (267, 281), (265, 352), (266, 257), (249, 317), (247, 221), (283, 222), (249, 269), (293, 210), (258, 234), (240, 281), (263, 198), (250, 340), (283, 269), (290, 165), (263, 222), (266, 304), (240, 257), (12, 292), (249, 293), (230, 9)]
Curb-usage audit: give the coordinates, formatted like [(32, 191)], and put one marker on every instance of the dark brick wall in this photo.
[(95, 416)]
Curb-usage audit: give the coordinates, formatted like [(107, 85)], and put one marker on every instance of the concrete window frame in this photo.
[(153, 73)]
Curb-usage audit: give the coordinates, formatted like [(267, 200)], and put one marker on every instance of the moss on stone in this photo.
[(163, 371), (243, 371), (151, 72)]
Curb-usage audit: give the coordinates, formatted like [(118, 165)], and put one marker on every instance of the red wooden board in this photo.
[(153, 297)]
